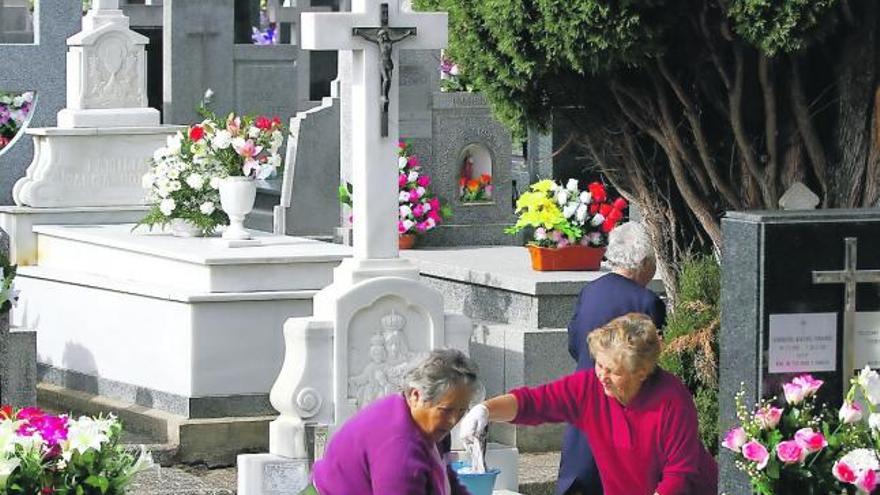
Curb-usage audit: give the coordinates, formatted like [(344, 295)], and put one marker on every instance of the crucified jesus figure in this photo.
[(385, 37)]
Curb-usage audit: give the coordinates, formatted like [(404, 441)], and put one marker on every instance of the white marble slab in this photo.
[(502, 267), (143, 262)]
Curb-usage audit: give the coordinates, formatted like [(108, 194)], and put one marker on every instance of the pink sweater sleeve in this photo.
[(681, 444), (556, 402)]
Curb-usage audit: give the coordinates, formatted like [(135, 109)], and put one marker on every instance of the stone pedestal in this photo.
[(89, 166), (270, 474)]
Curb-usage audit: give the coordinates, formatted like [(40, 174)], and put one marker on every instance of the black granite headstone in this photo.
[(767, 269)]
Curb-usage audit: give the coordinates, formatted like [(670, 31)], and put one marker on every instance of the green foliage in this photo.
[(8, 293), (691, 340), (779, 26)]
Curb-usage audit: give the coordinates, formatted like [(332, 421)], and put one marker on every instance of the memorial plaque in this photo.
[(867, 339), (803, 343)]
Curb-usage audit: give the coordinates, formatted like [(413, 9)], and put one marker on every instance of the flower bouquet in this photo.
[(42, 453), (804, 448), (8, 292), (419, 210), (451, 79), (567, 217), (185, 178), (14, 111)]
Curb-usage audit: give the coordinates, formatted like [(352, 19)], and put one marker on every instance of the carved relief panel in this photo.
[(114, 73)]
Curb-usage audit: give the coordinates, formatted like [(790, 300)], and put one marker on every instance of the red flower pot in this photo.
[(406, 241), (573, 258)]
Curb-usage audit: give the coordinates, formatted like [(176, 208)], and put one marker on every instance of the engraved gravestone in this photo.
[(800, 294)]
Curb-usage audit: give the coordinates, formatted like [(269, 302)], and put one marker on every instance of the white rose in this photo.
[(207, 208), (166, 206), (407, 224), (572, 185), (221, 140), (870, 383), (254, 132), (585, 197), (173, 143), (401, 163), (28, 96), (597, 220), (421, 191), (18, 101), (426, 207), (581, 213), (595, 238), (569, 210), (195, 181), (214, 182), (403, 197), (413, 175), (277, 140), (405, 211), (561, 197), (147, 180)]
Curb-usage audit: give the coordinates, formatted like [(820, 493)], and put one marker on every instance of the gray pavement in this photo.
[(537, 473)]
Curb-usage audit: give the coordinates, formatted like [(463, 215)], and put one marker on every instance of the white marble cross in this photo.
[(374, 157)]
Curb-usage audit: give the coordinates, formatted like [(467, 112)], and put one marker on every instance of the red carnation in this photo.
[(605, 209), (620, 204), (608, 225), (276, 121), (263, 123), (597, 191), (614, 215), (196, 132), (594, 208)]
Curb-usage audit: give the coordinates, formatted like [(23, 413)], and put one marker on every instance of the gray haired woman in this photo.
[(390, 446)]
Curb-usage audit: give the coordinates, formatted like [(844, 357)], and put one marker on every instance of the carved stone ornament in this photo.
[(113, 73)]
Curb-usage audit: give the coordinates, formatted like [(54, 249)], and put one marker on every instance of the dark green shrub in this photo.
[(690, 340)]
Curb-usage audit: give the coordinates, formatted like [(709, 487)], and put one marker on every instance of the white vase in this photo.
[(237, 195), (185, 228)]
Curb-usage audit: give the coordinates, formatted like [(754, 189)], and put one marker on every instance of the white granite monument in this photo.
[(376, 318)]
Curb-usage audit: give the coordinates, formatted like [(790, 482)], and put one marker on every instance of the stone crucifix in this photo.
[(374, 152), (849, 276)]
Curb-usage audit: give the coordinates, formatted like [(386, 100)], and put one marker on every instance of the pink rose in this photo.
[(850, 412), (424, 181), (810, 440), (734, 439), (435, 203), (768, 417), (412, 161), (794, 393), (867, 481), (790, 452), (422, 226), (844, 472), (400, 227), (414, 195), (809, 384), (756, 453), (401, 180), (433, 215), (418, 210)]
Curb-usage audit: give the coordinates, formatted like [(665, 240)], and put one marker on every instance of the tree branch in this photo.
[(808, 132), (771, 127), (700, 140), (737, 124)]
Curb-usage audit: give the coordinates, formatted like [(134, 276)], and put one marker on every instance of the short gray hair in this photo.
[(441, 371), (629, 246)]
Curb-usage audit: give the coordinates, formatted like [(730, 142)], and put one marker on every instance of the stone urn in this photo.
[(237, 195)]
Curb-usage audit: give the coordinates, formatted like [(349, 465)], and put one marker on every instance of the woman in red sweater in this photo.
[(640, 420)]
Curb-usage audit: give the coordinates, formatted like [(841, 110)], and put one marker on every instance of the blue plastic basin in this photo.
[(476, 483)]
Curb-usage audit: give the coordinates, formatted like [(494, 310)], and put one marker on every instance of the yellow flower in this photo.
[(542, 186)]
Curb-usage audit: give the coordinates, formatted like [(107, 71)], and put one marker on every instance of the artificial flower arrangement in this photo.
[(14, 111), (803, 447), (567, 215), (42, 453), (451, 78), (184, 179), (419, 210), (473, 189)]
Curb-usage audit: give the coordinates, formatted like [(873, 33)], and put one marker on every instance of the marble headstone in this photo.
[(776, 323), (38, 67)]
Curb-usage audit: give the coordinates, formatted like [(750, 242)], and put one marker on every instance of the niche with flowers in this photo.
[(475, 177)]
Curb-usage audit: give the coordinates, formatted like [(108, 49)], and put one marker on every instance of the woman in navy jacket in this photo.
[(630, 255)]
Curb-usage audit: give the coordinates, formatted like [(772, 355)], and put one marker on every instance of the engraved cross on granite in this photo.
[(372, 32), (849, 276)]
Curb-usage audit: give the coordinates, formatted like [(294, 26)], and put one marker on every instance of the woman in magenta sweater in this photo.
[(390, 446), (640, 420)]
